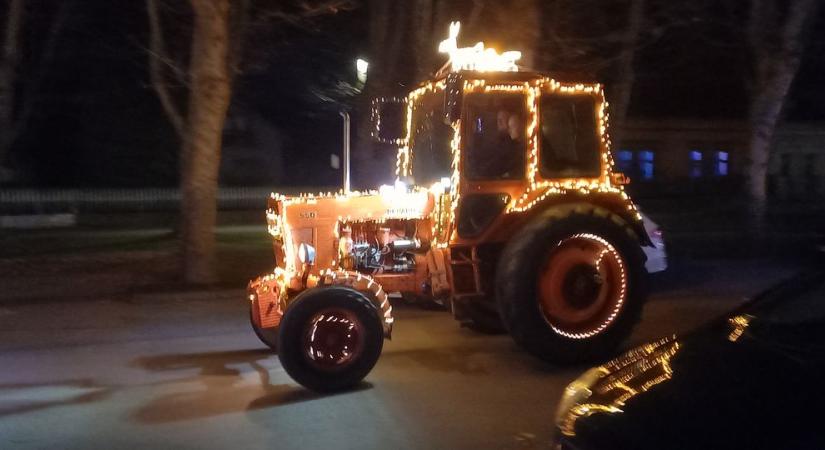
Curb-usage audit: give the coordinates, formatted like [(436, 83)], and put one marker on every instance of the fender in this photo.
[(608, 206), (270, 293), (364, 284)]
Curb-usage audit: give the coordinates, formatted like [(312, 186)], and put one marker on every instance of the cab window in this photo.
[(495, 131), (430, 144), (569, 137)]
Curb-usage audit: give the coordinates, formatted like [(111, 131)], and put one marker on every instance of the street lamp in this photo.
[(361, 66)]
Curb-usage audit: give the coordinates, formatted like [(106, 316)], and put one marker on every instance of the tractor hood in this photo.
[(313, 219)]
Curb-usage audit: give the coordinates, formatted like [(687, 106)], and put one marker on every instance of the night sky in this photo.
[(96, 121)]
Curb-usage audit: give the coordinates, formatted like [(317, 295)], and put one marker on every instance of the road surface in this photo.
[(184, 371)]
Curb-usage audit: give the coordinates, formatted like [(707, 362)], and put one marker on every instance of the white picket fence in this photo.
[(50, 201)]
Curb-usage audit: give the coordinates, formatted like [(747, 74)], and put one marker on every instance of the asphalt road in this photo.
[(183, 371)]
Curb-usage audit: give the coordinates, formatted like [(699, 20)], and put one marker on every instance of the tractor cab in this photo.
[(500, 143)]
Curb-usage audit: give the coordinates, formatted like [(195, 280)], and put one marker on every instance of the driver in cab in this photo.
[(500, 156)]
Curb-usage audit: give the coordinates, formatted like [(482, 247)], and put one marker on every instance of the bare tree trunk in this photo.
[(475, 13), (423, 38), (777, 50), (208, 103), (8, 75), (766, 109), (622, 87), (509, 25)]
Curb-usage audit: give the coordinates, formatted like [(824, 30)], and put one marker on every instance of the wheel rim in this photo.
[(333, 339), (582, 286)]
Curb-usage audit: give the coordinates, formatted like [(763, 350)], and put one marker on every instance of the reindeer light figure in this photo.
[(477, 57)]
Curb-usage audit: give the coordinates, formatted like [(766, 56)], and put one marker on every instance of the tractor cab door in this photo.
[(494, 157)]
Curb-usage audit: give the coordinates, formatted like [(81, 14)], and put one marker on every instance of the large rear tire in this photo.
[(571, 285), (331, 338)]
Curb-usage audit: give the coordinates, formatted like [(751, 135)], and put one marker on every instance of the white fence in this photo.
[(42, 201)]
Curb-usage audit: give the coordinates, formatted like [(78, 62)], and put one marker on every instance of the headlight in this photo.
[(306, 254), (578, 391)]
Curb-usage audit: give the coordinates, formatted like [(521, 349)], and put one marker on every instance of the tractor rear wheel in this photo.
[(570, 286), (330, 339)]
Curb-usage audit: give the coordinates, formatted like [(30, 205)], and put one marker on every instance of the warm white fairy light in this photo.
[(455, 180), (375, 117), (404, 158), (476, 58)]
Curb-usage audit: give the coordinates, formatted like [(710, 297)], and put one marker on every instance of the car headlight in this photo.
[(578, 391)]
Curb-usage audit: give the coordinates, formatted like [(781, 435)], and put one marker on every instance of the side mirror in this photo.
[(453, 95), (619, 179), (387, 116)]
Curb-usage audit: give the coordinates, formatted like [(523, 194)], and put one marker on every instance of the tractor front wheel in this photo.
[(330, 338)]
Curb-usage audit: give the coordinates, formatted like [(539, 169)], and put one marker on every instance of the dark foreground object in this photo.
[(749, 380)]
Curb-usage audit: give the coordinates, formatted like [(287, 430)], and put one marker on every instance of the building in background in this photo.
[(797, 168), (696, 157)]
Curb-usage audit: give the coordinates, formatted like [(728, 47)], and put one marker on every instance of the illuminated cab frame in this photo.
[(525, 193)]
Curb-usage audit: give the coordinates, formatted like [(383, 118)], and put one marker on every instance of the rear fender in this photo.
[(617, 212)]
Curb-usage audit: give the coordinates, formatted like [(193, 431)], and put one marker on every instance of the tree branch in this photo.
[(801, 14), (309, 11), (156, 56)]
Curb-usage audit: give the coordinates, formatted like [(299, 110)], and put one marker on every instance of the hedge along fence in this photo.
[(54, 201)]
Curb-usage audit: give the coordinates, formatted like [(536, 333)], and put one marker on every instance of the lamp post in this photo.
[(345, 116)]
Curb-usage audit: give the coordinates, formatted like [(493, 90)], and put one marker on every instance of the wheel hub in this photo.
[(582, 285), (333, 339)]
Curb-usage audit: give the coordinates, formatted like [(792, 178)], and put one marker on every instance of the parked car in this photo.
[(749, 380), (656, 255)]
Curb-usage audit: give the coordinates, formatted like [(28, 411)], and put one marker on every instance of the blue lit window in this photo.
[(635, 163), (624, 160), (695, 164), (720, 165), (645, 160)]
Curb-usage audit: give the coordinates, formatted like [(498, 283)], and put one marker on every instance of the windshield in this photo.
[(430, 141)]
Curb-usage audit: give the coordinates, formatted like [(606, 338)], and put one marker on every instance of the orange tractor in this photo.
[(506, 210)]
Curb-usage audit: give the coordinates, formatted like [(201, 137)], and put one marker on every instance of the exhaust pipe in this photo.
[(345, 115)]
